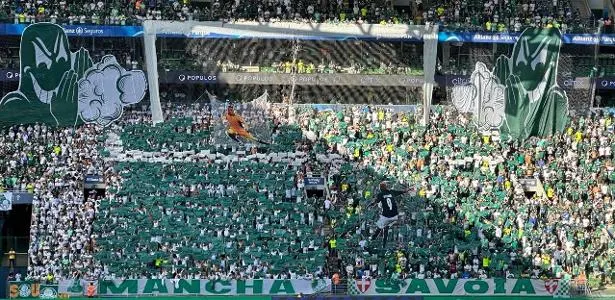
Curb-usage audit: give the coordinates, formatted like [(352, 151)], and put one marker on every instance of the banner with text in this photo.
[(174, 287), (81, 30), (314, 183), (263, 78), (575, 83), (461, 287), (301, 31), (192, 77), (511, 38), (17, 197), (27, 289), (94, 182)]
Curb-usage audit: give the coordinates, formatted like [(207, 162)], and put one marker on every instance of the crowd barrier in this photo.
[(286, 289)]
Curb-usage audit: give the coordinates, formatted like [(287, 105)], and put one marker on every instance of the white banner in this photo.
[(170, 287), (286, 30), (461, 287)]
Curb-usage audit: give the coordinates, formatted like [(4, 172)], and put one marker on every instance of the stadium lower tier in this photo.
[(181, 204)]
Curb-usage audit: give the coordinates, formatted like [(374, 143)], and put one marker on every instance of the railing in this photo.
[(588, 9), (341, 288)]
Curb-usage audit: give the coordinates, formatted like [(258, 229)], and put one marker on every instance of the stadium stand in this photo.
[(184, 202), (468, 216), (49, 163), (460, 15), (287, 56)]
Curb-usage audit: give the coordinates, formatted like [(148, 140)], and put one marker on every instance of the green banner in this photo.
[(64, 88), (520, 96)]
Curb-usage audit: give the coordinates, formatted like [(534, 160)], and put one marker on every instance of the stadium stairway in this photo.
[(583, 8)]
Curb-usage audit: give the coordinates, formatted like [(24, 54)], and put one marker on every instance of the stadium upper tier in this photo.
[(460, 15)]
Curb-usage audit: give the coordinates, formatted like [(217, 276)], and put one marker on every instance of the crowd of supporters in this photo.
[(50, 163), (290, 56), (181, 205), (492, 15)]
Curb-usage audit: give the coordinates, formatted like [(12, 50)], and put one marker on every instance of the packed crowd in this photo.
[(472, 14), (473, 217), (467, 217), (290, 56), (50, 163), (97, 12)]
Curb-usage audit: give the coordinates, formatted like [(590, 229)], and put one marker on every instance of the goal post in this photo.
[(270, 33)]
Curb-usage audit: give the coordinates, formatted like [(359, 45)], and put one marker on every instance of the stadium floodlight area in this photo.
[(300, 60)]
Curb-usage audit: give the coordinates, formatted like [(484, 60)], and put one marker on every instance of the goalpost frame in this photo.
[(428, 34)]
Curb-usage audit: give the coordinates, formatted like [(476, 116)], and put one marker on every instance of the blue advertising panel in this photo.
[(605, 83), (340, 37), (81, 30), (212, 33), (478, 37), (312, 181), (22, 197), (9, 75), (511, 38), (209, 33)]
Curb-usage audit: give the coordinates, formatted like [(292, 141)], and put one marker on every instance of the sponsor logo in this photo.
[(24, 290), (572, 82), (607, 83), (12, 75), (585, 39), (49, 293), (460, 80), (551, 285), (199, 32), (319, 285), (363, 285), (197, 78)]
